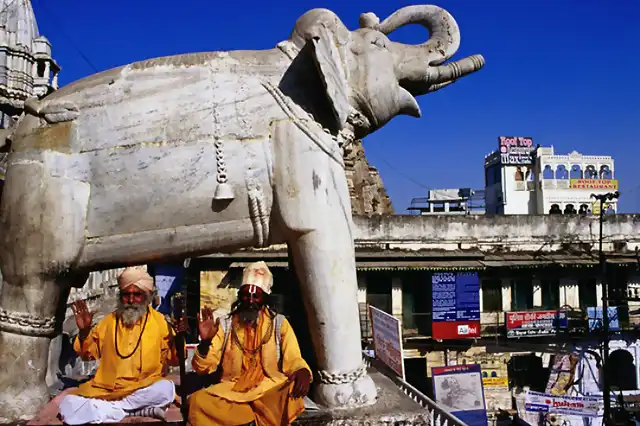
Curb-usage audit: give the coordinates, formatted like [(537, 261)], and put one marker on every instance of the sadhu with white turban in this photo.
[(264, 376), (134, 344)]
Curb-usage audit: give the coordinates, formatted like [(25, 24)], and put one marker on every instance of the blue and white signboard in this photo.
[(168, 281), (456, 305), (459, 389), (594, 314)]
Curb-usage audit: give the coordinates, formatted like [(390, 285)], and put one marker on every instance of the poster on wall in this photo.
[(455, 305), (168, 278), (459, 390), (387, 340)]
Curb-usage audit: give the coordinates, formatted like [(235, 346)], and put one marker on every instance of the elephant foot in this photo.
[(23, 392), (359, 393)]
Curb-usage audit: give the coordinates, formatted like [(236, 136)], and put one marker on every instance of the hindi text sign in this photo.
[(387, 340), (456, 305)]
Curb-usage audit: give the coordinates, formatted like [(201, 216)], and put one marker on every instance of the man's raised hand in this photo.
[(83, 317), (207, 326)]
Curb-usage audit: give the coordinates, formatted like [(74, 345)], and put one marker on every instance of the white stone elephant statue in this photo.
[(187, 155)]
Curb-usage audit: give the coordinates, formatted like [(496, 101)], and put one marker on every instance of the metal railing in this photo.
[(437, 414)]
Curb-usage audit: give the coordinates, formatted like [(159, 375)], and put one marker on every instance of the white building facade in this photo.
[(536, 180)]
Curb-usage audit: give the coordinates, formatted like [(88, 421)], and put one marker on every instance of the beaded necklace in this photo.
[(115, 337)]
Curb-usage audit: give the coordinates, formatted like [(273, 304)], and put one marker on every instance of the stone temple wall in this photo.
[(368, 194)]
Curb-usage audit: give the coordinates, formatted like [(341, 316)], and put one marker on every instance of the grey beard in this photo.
[(248, 315), (130, 313)]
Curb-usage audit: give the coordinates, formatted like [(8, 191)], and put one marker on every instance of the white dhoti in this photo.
[(76, 410)]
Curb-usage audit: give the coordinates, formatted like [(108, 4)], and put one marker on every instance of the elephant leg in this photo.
[(325, 264), (43, 221), (312, 198)]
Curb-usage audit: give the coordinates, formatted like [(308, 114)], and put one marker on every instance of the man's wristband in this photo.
[(203, 347), (84, 333)]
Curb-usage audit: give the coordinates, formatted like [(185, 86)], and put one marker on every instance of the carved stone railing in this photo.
[(438, 415)]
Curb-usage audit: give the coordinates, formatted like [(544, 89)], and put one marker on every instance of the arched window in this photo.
[(561, 172), (547, 173), (590, 172), (605, 172), (570, 209), (484, 374), (555, 209), (621, 370), (519, 176), (583, 210), (494, 374), (530, 175), (576, 172)]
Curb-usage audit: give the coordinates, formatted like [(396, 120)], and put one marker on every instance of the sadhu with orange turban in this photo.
[(133, 344), (264, 376)]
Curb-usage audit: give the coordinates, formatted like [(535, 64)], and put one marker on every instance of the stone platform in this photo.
[(393, 408)]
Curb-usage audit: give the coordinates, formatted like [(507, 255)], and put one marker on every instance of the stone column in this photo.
[(362, 287), (480, 297), (506, 294), (396, 297), (537, 293), (598, 292)]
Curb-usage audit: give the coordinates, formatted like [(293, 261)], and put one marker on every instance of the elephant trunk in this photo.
[(436, 78), (419, 66)]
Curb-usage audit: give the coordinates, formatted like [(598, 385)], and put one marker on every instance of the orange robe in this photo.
[(268, 400), (116, 377)]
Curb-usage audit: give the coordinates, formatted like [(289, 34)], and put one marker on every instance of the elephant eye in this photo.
[(380, 42)]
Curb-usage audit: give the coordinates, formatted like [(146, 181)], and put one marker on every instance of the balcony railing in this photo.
[(438, 415)]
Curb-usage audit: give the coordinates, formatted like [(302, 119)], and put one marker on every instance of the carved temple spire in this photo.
[(27, 68)]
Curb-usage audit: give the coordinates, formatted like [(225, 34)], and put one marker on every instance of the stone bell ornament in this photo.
[(259, 275)]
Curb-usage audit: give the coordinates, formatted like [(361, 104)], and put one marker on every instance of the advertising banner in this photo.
[(607, 184), (516, 150), (456, 305), (387, 340), (495, 382), (459, 390), (535, 323), (584, 406)]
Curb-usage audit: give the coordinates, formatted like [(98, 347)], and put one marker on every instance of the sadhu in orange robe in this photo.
[(252, 388), (119, 377)]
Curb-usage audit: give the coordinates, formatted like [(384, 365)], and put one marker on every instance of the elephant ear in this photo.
[(332, 72)]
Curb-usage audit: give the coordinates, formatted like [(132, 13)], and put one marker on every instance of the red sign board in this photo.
[(455, 329), (538, 323)]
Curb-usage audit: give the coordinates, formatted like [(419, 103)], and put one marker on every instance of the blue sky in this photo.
[(564, 72)]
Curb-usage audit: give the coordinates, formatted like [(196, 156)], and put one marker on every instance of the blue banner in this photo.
[(168, 280), (455, 296)]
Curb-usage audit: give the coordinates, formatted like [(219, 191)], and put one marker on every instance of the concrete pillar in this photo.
[(396, 297), (47, 71), (569, 292), (598, 292), (362, 287), (537, 293), (480, 296), (506, 294)]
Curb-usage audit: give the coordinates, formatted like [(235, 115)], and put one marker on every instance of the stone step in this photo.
[(392, 408)]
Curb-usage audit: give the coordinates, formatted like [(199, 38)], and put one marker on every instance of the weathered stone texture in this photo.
[(366, 190)]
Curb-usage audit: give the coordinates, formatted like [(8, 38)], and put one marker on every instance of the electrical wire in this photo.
[(42, 4)]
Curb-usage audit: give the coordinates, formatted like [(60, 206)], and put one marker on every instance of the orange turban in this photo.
[(137, 277)]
